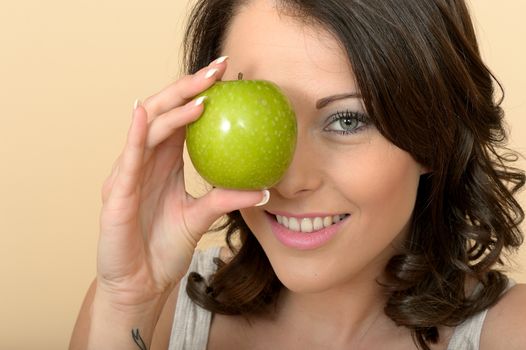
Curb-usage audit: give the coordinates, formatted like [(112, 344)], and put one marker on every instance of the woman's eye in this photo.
[(347, 122)]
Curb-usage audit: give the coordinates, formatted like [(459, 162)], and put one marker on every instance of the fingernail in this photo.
[(200, 100), (136, 104), (211, 73), (220, 59), (266, 197)]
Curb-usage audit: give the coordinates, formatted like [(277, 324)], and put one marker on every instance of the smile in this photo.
[(305, 233), (308, 225)]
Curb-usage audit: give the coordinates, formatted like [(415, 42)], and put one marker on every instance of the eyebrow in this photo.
[(322, 102)]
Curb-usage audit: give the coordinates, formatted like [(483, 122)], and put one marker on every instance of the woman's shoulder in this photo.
[(505, 323)]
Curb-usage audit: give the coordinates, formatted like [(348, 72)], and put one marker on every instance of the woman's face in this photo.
[(359, 173)]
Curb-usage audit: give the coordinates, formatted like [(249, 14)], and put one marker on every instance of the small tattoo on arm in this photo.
[(138, 340)]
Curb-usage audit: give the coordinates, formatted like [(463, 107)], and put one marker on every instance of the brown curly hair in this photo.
[(426, 89)]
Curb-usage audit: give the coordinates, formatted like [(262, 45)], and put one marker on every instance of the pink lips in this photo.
[(301, 240)]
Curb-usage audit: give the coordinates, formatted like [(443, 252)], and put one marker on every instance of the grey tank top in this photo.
[(191, 323)]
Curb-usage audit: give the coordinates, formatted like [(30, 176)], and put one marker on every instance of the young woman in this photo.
[(387, 231)]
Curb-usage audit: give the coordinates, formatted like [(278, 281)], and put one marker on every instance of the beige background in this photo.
[(70, 71)]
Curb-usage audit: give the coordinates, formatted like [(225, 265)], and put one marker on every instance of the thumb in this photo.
[(216, 203)]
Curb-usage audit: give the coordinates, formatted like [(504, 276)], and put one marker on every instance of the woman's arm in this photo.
[(82, 331), (149, 224)]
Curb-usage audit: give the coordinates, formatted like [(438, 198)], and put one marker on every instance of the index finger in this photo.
[(183, 90)]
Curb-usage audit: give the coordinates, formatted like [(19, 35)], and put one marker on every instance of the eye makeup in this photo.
[(347, 122)]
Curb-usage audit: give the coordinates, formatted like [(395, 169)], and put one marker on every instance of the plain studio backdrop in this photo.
[(70, 72)]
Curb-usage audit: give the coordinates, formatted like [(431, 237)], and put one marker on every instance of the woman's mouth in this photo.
[(305, 232), (308, 225)]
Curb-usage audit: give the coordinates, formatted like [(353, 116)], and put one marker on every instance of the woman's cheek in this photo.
[(387, 193)]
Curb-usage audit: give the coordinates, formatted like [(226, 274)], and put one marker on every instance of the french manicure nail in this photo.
[(266, 197), (221, 59), (211, 73), (200, 100)]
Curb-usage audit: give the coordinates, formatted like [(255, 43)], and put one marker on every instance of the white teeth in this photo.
[(308, 224), (318, 224), (293, 224)]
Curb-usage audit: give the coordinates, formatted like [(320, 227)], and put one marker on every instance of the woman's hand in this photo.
[(149, 224)]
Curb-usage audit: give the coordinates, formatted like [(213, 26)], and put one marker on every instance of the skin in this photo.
[(331, 299)]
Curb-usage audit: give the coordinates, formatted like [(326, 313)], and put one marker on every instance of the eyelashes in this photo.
[(347, 122)]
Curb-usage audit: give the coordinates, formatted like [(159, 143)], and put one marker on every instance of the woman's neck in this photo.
[(341, 315)]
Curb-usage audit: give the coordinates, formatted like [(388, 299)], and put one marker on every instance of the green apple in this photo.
[(245, 137)]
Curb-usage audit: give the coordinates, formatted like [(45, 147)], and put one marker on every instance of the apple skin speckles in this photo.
[(256, 148)]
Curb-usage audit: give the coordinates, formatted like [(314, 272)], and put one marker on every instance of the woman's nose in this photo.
[(304, 174)]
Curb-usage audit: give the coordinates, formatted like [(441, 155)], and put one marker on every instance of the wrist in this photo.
[(132, 301), (122, 325)]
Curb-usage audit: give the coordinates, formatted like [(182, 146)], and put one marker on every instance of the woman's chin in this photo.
[(305, 281)]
